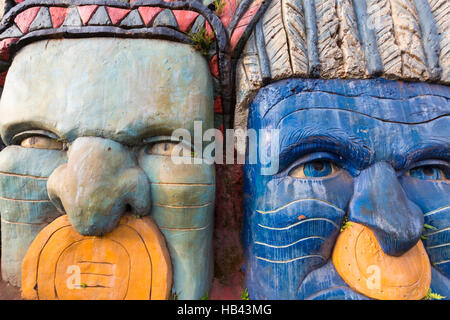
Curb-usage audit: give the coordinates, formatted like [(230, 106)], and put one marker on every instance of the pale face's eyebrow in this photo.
[(296, 143)]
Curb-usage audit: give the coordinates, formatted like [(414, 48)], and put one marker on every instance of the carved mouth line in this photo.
[(96, 262), (185, 229), (97, 274), (291, 244), (300, 222), (182, 207), (21, 175), (301, 200), (24, 200), (87, 286), (292, 260)]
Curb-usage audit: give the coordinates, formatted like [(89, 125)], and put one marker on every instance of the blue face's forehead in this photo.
[(392, 101), (362, 121)]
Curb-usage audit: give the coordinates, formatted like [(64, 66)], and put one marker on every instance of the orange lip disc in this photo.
[(364, 266), (131, 262)]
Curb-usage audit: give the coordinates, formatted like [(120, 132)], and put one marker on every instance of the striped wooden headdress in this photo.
[(345, 39)]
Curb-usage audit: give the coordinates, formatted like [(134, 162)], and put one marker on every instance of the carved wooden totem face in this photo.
[(375, 152), (88, 125)]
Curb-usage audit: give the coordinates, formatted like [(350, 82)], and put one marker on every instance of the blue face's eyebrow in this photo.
[(295, 144), (435, 148)]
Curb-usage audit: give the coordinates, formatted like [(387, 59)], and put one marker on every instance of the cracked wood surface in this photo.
[(387, 38)]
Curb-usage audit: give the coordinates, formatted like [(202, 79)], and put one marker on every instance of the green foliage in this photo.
[(425, 227), (194, 154), (205, 297), (201, 40), (433, 296), (244, 295), (64, 142), (84, 285), (345, 224), (219, 4)]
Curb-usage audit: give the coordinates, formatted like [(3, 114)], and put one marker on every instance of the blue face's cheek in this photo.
[(290, 227), (433, 197), (24, 204)]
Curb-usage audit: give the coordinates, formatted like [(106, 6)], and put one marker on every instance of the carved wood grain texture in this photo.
[(330, 54), (441, 14), (382, 23), (244, 93), (285, 38), (399, 41), (276, 41), (248, 81), (408, 35), (294, 19), (250, 62), (353, 56)]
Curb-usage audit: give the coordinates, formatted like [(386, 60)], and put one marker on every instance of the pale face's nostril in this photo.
[(54, 188), (58, 204)]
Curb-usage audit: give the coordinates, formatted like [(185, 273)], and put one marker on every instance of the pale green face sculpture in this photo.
[(87, 123), (123, 89)]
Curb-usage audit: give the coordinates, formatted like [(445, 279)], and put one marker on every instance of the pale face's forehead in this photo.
[(116, 88), (366, 121)]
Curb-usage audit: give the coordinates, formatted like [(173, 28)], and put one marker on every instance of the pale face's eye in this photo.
[(428, 172), (41, 142), (314, 169), (168, 149), (161, 148)]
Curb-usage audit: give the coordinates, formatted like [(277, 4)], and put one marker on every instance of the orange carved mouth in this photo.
[(131, 262), (364, 266)]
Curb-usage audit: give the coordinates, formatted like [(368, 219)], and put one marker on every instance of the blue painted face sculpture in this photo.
[(376, 152)]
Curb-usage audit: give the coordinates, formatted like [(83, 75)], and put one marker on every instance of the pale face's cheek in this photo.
[(24, 204), (183, 208), (433, 199)]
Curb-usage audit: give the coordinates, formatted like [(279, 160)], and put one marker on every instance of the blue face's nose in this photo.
[(380, 203)]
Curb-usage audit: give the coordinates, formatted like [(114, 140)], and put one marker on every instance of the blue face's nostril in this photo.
[(380, 203)]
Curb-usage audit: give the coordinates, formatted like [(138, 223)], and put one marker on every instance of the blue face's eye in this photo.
[(429, 172), (317, 169), (314, 169)]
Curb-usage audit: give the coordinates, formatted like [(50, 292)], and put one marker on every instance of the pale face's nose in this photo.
[(380, 203), (99, 182)]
